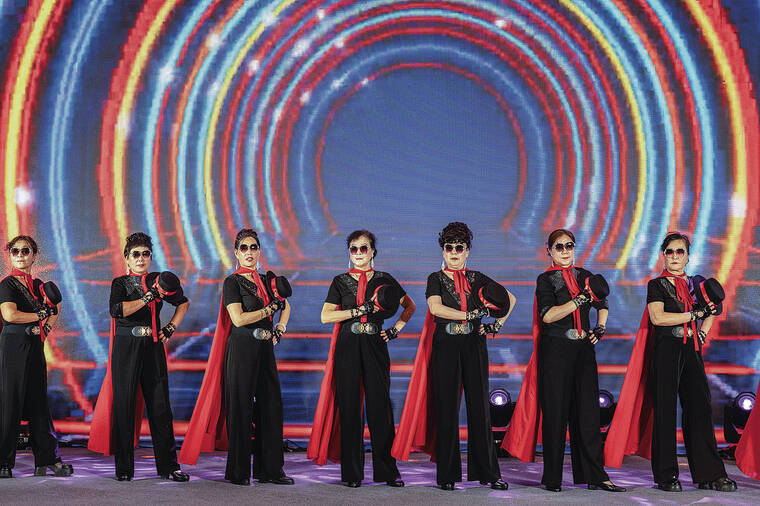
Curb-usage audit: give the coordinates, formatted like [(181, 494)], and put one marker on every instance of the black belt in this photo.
[(574, 335), (678, 332), (458, 329), (136, 331), (27, 329), (364, 328)]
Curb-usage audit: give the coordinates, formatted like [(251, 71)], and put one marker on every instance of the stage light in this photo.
[(23, 196), (735, 415), (501, 407), (607, 407), (745, 401), (499, 397)]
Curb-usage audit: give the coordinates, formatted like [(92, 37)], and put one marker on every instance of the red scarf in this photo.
[(29, 283), (262, 291), (683, 295), (573, 288), (462, 286), (362, 290)]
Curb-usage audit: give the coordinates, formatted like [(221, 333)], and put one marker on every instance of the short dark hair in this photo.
[(556, 234), (245, 233), (362, 233), (675, 236), (26, 238), (455, 232), (135, 240)]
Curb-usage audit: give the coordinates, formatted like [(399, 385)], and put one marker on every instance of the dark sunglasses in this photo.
[(459, 248), (361, 249), (244, 247), (24, 252), (569, 246), (144, 253), (670, 252)]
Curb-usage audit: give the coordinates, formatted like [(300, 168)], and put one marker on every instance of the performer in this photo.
[(28, 315), (669, 344), (451, 356), (561, 382), (748, 449), (242, 367), (137, 365), (358, 364)]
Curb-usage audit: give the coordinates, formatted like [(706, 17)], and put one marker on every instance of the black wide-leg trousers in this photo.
[(139, 362), (678, 371), (568, 390), (362, 363), (23, 393), (461, 362), (250, 371)]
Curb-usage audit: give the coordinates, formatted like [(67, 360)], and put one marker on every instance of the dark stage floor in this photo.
[(93, 483)]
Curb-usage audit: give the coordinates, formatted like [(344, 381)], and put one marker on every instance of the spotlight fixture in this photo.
[(735, 415), (607, 407), (501, 408)]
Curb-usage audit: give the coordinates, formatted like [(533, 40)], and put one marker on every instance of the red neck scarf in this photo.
[(262, 291), (462, 286), (683, 295), (362, 290), (573, 288), (151, 305), (29, 283)]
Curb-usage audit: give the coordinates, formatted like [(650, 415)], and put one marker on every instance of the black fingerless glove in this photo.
[(599, 331), (392, 333), (43, 313), (278, 333), (168, 330), (52, 310), (150, 295), (476, 314), (700, 313), (581, 300), (702, 336), (46, 328), (488, 328)]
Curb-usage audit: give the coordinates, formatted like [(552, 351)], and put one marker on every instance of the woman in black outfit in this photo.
[(361, 360), (137, 364), (460, 361), (23, 371)]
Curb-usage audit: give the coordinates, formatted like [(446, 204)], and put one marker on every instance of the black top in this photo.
[(238, 288), (344, 288), (440, 284), (13, 290), (660, 289), (128, 288), (551, 291)]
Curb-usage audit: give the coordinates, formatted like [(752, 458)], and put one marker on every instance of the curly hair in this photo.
[(455, 232), (245, 233), (137, 239), (26, 238), (362, 233)]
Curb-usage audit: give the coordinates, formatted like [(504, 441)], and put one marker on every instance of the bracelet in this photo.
[(497, 325), (280, 324)]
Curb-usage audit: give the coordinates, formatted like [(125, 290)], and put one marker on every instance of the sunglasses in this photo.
[(361, 249), (244, 247), (569, 246), (24, 252), (459, 248), (144, 253), (670, 252)]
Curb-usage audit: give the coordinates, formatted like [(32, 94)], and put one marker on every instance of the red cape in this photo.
[(417, 427), (748, 449), (101, 427), (524, 430), (630, 432), (207, 430), (324, 441)]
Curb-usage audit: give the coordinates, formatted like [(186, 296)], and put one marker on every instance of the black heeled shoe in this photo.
[(447, 486), (553, 489), (282, 480), (724, 484), (607, 487), (245, 482), (59, 469), (670, 486), (395, 483), (123, 477), (497, 485), (353, 484), (5, 471), (176, 475)]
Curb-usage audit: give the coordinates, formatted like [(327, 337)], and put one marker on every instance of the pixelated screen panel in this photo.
[(189, 120)]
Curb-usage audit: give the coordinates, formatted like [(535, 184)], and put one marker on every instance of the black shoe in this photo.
[(553, 489), (608, 487), (497, 485), (282, 480), (245, 482), (58, 469), (123, 477), (395, 483), (176, 475), (670, 486), (353, 484), (5, 471), (447, 486), (723, 484)]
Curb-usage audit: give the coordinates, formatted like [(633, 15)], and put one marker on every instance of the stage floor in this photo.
[(93, 483)]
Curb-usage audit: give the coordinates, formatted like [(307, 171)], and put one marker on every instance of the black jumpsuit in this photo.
[(678, 371), (138, 361), (568, 386), (23, 381), (250, 371), (461, 362), (362, 363)]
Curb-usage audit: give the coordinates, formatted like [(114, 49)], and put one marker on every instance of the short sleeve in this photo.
[(6, 293), (118, 295), (654, 291), (231, 292), (398, 287), (333, 293), (545, 298), (433, 286)]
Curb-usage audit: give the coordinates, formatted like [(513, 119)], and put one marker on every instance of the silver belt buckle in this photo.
[(458, 329), (363, 328), (573, 334), (34, 331), (262, 334), (142, 331), (678, 332)]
